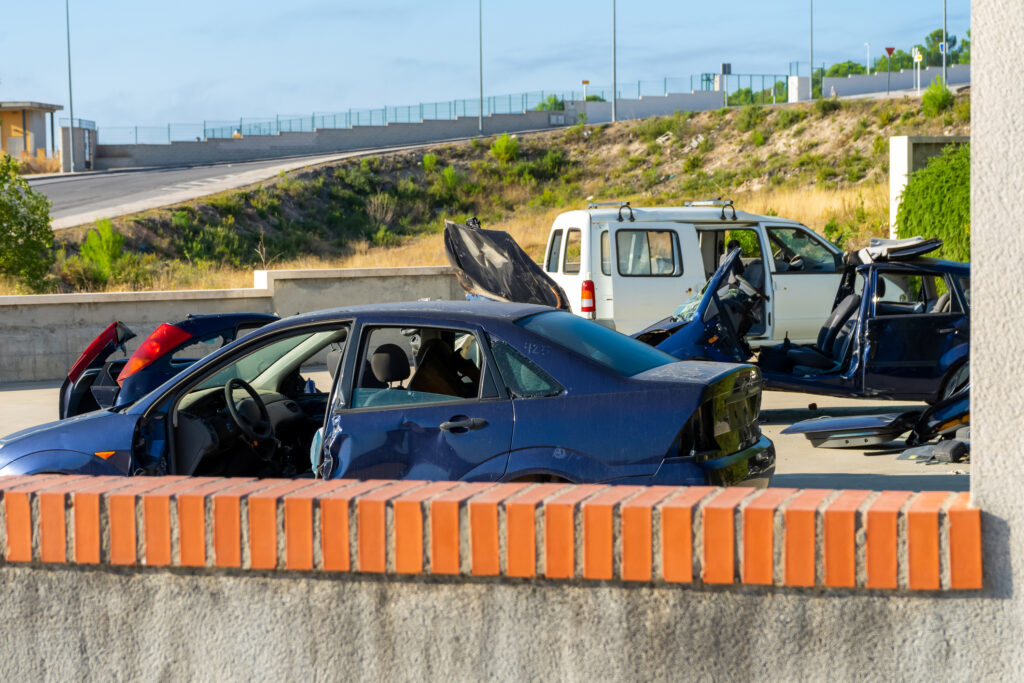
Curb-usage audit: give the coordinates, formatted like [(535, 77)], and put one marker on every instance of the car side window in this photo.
[(965, 288), (648, 253), (899, 293), (422, 365), (523, 377), (573, 248), (551, 263), (796, 250), (606, 253)]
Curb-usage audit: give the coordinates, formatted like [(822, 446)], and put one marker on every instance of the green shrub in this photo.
[(693, 163), (962, 111), (385, 238), (429, 163), (749, 117), (102, 249), (879, 145), (825, 106), (757, 137), (937, 202), (787, 117), (25, 235), (861, 128), (551, 103), (886, 115), (505, 149), (936, 99)]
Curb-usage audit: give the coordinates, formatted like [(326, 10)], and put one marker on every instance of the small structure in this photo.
[(23, 128)]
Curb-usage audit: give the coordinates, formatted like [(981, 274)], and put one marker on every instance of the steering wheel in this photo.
[(260, 430)]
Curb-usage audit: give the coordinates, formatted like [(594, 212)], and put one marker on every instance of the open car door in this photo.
[(489, 264)]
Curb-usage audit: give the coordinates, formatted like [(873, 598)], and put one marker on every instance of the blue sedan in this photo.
[(476, 391)]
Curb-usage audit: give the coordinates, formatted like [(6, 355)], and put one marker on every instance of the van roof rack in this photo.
[(714, 201), (595, 205)]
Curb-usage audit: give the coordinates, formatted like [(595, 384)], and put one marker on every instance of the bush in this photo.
[(757, 137), (505, 149), (749, 117), (429, 163), (102, 250), (826, 106), (937, 202), (25, 235), (936, 99), (787, 117), (551, 103)]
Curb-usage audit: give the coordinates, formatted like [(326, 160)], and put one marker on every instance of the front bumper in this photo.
[(753, 466)]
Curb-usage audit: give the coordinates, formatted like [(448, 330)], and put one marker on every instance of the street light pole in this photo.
[(810, 94), (71, 102), (615, 82), (867, 57), (945, 45), (480, 14)]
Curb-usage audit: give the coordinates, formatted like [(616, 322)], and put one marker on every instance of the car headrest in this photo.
[(389, 364), (880, 287)]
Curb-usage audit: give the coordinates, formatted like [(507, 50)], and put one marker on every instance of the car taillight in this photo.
[(587, 299), (165, 338)]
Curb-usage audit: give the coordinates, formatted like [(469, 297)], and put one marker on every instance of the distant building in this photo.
[(23, 128)]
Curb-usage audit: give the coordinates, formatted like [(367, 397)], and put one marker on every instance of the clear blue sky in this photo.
[(149, 63)]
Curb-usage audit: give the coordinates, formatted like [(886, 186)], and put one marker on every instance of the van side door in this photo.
[(805, 276)]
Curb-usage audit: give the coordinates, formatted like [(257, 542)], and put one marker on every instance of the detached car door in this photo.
[(805, 276), (916, 332), (418, 403)]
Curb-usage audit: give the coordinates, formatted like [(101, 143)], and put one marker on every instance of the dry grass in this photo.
[(30, 165)]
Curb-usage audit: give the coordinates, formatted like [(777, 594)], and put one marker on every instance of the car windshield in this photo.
[(617, 352)]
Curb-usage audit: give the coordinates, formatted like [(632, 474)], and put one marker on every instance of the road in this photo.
[(799, 465)]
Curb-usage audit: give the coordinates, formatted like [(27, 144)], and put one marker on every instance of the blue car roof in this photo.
[(923, 263), (469, 311)]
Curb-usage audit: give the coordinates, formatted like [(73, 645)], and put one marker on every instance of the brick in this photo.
[(53, 518), (677, 532), (719, 517), (881, 547), (298, 522), (598, 531), (637, 532), (758, 566), (559, 531), (192, 520), (520, 532), (964, 544), (18, 510), (263, 520), (227, 521), (841, 539), (923, 540), (371, 521), (85, 503), (444, 527), (121, 517), (408, 526), (334, 509), (484, 546), (156, 518), (801, 537)]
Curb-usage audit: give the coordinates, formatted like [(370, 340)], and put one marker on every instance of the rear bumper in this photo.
[(753, 466)]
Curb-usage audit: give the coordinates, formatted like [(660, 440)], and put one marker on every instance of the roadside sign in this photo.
[(918, 57), (586, 82), (890, 50), (942, 48)]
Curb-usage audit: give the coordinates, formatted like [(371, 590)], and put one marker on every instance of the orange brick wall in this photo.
[(783, 537)]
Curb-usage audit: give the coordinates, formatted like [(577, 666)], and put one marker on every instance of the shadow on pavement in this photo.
[(874, 482)]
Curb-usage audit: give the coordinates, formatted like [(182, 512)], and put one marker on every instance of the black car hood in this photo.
[(489, 264)]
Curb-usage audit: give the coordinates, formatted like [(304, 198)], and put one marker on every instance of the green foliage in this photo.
[(594, 98), (937, 202), (846, 68), (430, 163), (936, 99), (505, 149), (787, 117), (693, 163), (879, 145), (551, 103), (886, 115), (652, 128), (825, 106), (962, 111), (102, 249), (757, 137), (749, 118), (385, 238), (25, 235), (862, 126)]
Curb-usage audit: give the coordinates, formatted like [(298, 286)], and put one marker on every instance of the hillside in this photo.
[(825, 164)]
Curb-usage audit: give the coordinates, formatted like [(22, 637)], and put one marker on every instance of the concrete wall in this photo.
[(906, 155), (42, 335), (799, 89), (601, 112), (958, 74), (86, 149)]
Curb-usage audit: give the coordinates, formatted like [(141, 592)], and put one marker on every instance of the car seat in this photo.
[(827, 353)]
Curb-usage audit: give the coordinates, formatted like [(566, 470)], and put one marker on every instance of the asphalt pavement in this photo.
[(799, 465)]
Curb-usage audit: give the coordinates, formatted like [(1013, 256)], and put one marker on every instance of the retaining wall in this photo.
[(199, 577), (859, 84), (42, 335)]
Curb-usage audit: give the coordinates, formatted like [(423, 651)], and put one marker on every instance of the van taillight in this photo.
[(165, 338), (587, 298)]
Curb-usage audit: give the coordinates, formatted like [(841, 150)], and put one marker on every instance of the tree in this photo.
[(25, 234), (551, 103), (937, 202), (846, 68)]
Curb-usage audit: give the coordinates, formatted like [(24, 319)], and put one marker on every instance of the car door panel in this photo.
[(907, 353)]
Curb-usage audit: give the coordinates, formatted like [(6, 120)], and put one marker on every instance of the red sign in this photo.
[(890, 50)]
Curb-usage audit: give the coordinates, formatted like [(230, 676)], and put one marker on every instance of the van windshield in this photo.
[(617, 352)]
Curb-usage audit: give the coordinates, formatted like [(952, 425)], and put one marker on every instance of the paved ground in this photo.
[(799, 464)]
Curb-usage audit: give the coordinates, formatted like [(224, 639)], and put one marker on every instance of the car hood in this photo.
[(102, 430)]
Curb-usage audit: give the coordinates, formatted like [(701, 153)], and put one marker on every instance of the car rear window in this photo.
[(617, 352)]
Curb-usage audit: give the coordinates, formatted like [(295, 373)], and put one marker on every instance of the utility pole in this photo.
[(811, 93), (867, 57), (615, 82), (71, 102), (480, 14), (945, 45)]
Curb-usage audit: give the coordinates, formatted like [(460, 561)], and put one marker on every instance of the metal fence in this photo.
[(447, 110)]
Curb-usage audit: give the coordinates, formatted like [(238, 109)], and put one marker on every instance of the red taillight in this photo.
[(587, 298), (165, 338)]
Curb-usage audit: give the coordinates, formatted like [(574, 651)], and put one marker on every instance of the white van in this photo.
[(628, 267)]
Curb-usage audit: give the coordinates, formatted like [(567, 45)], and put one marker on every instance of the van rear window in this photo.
[(648, 253), (551, 263), (573, 247)]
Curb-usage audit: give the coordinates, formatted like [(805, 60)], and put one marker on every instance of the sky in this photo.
[(153, 63)]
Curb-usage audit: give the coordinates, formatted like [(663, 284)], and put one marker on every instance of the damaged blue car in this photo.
[(899, 328), (476, 391)]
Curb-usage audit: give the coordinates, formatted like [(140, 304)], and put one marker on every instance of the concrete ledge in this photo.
[(698, 535)]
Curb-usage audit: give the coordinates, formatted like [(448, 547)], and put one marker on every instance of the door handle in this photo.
[(946, 330), (463, 424)]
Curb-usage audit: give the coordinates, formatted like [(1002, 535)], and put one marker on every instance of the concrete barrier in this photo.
[(42, 335)]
